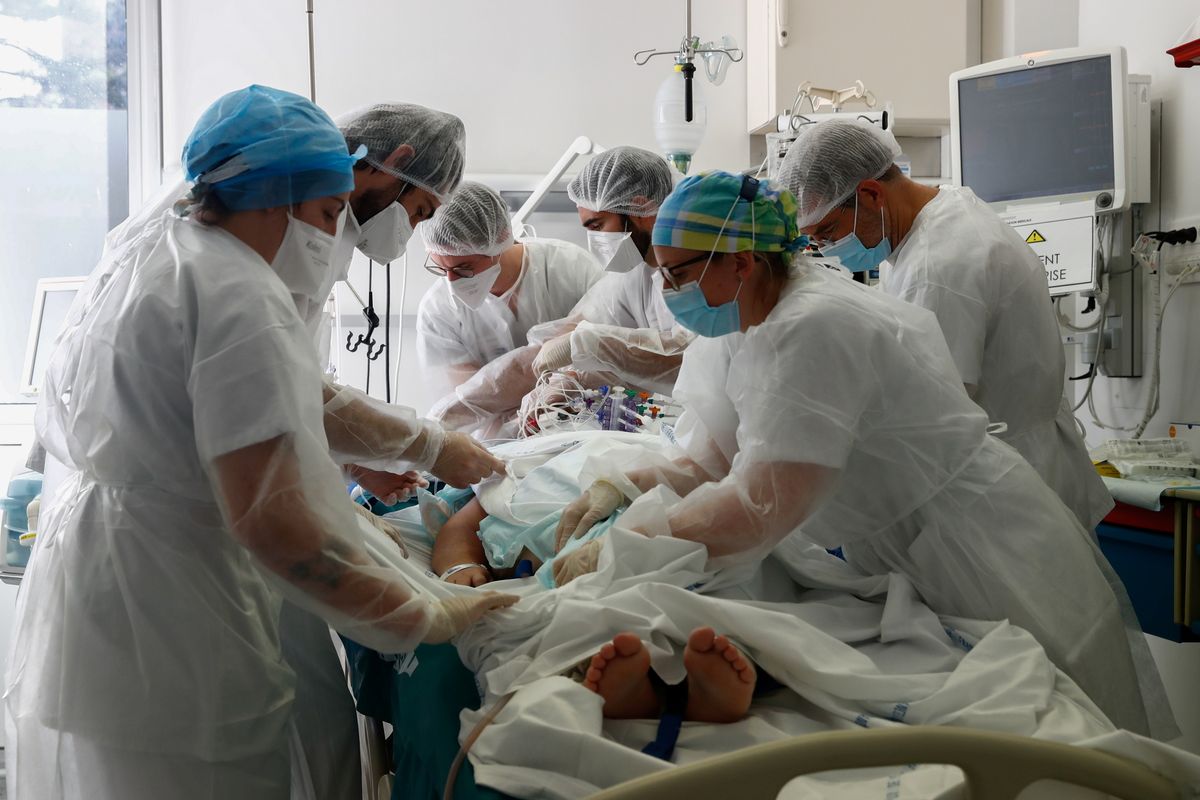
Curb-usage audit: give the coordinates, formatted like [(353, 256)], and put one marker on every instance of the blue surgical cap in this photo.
[(260, 147)]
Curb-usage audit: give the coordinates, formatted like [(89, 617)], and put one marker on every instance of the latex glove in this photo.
[(577, 562), (555, 354), (391, 488), (435, 512), (452, 616), (462, 461), (383, 526), (597, 503)]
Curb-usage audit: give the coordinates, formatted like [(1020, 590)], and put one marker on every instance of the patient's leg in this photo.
[(458, 543), (720, 678), (620, 673)]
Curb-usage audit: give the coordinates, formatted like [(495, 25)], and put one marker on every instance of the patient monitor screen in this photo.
[(1038, 132)]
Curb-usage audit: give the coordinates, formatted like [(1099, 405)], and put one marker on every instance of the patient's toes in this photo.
[(720, 678), (620, 673)]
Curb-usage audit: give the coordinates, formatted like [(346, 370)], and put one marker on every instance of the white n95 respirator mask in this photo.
[(304, 260), (615, 251), (384, 236), (474, 290)]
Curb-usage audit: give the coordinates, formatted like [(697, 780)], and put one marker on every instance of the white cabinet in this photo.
[(903, 51)]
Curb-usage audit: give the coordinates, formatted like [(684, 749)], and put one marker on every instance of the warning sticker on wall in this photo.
[(1063, 237)]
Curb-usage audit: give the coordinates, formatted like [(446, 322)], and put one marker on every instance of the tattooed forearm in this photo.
[(320, 569)]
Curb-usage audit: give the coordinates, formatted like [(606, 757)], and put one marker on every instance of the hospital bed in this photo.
[(995, 766), (428, 695), (423, 711)]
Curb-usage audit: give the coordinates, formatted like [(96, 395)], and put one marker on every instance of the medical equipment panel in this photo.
[(1048, 125)]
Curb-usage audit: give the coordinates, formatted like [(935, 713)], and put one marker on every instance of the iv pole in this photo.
[(312, 56)]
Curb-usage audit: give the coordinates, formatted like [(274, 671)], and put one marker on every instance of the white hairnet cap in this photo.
[(829, 159), (438, 140), (474, 221), (623, 180)]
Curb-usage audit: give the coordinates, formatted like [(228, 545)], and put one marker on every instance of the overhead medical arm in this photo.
[(582, 146)]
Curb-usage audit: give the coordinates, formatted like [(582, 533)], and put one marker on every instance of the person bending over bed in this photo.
[(839, 416)]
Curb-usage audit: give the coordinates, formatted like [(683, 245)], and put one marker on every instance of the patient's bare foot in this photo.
[(720, 679), (620, 673)]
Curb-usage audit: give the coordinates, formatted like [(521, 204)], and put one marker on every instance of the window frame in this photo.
[(143, 29)]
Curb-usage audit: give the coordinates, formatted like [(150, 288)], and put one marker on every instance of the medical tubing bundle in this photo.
[(1155, 372), (1139, 258), (553, 385)]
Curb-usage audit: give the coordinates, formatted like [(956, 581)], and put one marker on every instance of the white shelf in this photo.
[(921, 127)]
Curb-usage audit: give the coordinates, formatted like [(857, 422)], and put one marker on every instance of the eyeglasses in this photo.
[(441, 272), (668, 273), (825, 236)]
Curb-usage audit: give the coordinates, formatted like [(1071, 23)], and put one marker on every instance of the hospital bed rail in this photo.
[(996, 766)]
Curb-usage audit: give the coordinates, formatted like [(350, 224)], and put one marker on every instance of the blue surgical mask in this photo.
[(853, 254), (693, 312), (691, 309)]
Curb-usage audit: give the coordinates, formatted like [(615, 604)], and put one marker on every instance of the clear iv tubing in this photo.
[(571, 389)]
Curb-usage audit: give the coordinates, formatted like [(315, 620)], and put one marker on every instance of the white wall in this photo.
[(526, 77), (902, 52), (1011, 27), (1147, 29), (212, 48)]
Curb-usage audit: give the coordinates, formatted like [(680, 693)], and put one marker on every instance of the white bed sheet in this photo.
[(845, 662)]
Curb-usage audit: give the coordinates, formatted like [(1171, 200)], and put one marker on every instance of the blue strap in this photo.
[(669, 724), (663, 745)]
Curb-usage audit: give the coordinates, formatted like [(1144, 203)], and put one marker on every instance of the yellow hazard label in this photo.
[(1034, 237)]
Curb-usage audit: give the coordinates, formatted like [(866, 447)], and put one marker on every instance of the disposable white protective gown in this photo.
[(626, 330), (841, 420), (630, 299), (555, 275), (146, 659), (988, 291), (325, 744)]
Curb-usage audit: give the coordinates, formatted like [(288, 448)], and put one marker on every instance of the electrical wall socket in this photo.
[(1179, 258)]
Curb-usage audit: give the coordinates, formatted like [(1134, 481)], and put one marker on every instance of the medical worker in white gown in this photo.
[(945, 250), (818, 408), (414, 159), (184, 399), (493, 291), (621, 331)]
